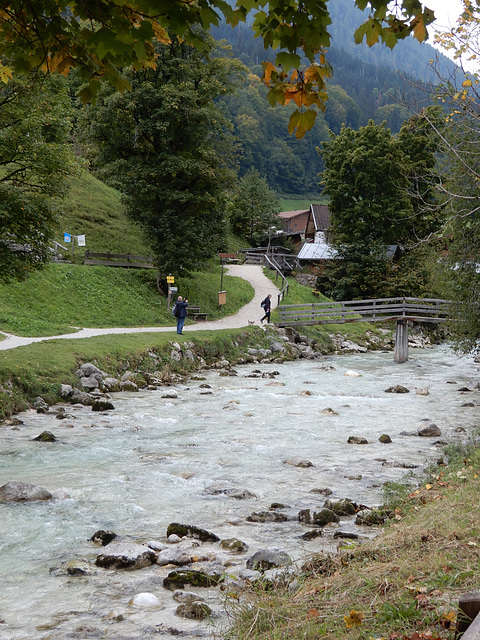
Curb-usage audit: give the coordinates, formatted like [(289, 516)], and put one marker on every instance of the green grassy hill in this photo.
[(93, 209)]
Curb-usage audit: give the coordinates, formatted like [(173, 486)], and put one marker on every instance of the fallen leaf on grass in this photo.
[(354, 619)]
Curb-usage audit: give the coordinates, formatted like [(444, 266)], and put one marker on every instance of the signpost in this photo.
[(171, 290)]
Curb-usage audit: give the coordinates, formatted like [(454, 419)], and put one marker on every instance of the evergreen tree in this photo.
[(254, 208), (164, 145)]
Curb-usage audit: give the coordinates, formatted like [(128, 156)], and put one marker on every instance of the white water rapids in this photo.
[(150, 462)]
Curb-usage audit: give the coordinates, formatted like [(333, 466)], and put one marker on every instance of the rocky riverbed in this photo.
[(145, 511)]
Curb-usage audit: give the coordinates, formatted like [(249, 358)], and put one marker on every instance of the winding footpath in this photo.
[(249, 314)]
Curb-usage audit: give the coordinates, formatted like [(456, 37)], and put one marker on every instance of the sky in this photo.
[(446, 15), (446, 11)]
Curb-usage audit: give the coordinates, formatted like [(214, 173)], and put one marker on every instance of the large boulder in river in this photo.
[(23, 492), (122, 555)]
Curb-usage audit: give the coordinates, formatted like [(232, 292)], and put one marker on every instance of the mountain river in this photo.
[(154, 460)]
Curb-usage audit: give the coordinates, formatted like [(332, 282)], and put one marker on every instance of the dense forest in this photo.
[(366, 84)]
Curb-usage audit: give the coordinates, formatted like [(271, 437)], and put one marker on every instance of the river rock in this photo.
[(156, 546), (170, 393), (370, 517), (347, 535), (299, 462), (103, 537), (329, 412), (326, 491), (92, 382), (194, 611), (46, 436), (268, 559), (40, 405), (128, 385), (357, 440), (311, 535), (102, 404), (111, 384), (428, 429), (66, 391), (79, 568), (88, 369), (267, 516), (23, 492), (344, 507), (385, 439), (146, 601), (173, 556), (423, 391), (352, 374), (323, 517), (179, 578), (122, 555), (82, 397), (233, 545), (187, 597), (191, 531), (397, 388)]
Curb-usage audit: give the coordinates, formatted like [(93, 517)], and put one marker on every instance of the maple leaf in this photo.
[(354, 619)]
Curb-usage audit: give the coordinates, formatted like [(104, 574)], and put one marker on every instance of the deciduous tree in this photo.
[(375, 181), (34, 163), (100, 38)]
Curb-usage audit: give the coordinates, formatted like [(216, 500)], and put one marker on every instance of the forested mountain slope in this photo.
[(363, 85)]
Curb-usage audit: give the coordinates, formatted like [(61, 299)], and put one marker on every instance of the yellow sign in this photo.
[(170, 279)]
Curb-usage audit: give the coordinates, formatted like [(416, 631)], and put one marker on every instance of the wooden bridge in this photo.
[(403, 310)]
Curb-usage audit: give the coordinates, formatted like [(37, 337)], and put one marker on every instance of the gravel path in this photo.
[(250, 313)]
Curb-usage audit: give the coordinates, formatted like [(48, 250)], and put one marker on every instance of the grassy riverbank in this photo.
[(40, 368), (405, 584)]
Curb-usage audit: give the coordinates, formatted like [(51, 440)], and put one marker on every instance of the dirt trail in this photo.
[(250, 313)]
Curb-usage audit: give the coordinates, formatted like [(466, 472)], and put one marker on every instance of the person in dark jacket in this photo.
[(267, 305), (181, 313)]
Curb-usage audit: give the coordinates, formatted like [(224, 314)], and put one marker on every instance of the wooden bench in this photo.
[(194, 312), (468, 620)]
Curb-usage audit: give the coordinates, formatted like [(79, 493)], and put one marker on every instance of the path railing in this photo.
[(375, 310), (273, 264)]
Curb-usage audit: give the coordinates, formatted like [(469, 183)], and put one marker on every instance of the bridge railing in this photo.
[(374, 310)]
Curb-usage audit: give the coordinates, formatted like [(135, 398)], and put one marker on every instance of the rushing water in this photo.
[(150, 462)]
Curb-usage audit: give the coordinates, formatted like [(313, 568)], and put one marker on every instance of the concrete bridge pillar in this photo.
[(401, 342)]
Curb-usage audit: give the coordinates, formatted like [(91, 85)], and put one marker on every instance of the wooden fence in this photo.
[(118, 260), (377, 310)]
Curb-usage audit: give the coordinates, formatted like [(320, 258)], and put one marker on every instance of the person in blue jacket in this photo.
[(181, 313)]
